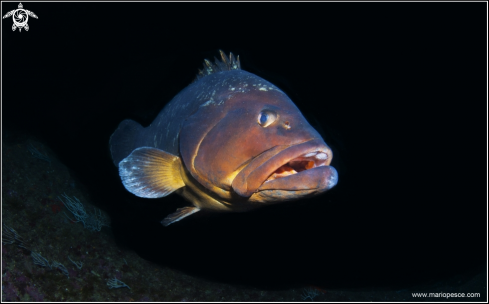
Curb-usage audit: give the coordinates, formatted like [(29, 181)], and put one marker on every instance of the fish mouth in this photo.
[(303, 166)]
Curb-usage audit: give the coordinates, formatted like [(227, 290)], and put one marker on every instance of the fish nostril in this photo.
[(286, 125)]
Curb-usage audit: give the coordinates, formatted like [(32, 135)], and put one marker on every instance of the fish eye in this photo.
[(266, 118)]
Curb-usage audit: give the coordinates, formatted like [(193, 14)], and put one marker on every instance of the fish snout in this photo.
[(304, 166)]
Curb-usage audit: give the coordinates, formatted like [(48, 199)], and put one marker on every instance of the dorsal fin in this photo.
[(225, 64)]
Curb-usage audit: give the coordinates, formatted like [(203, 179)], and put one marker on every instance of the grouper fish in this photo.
[(230, 141)]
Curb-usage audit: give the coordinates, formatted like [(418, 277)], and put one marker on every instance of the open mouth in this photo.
[(301, 166), (304, 162)]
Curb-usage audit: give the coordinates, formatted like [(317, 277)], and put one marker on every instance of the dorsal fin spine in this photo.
[(225, 64)]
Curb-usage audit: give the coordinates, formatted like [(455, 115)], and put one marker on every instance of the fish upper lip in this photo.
[(246, 163), (314, 153)]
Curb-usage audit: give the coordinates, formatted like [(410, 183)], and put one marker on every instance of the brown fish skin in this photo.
[(230, 141), (236, 132), (241, 139)]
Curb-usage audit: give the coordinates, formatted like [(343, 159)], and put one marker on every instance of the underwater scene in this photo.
[(167, 152)]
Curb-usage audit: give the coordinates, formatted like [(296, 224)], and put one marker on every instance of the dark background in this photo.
[(398, 91)]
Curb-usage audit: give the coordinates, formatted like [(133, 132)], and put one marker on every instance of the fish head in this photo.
[(251, 141)]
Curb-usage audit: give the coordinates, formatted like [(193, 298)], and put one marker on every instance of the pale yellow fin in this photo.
[(151, 173)]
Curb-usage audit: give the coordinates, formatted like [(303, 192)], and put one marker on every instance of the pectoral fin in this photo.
[(178, 215), (151, 173)]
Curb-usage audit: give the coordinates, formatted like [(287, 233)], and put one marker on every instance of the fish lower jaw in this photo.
[(304, 162)]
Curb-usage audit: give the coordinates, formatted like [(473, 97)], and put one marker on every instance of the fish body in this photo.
[(230, 141)]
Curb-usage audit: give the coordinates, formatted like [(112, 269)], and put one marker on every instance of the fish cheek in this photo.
[(193, 132), (230, 143)]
